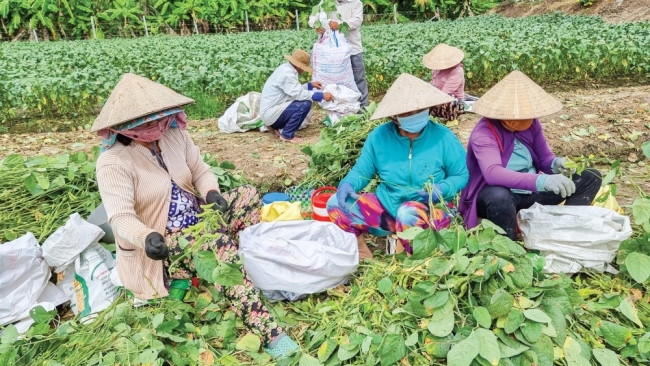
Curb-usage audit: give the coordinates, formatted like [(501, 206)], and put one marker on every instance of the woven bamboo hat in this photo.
[(299, 59), (516, 97), (442, 57), (134, 97), (407, 94)]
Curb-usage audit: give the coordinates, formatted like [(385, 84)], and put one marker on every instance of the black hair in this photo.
[(126, 141)]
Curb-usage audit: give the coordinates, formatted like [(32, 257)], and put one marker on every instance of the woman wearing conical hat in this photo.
[(152, 180), (406, 153), (510, 164), (448, 75)]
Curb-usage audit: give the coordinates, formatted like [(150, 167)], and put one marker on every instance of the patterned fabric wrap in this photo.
[(170, 118), (183, 208), (245, 301), (449, 111), (367, 215)]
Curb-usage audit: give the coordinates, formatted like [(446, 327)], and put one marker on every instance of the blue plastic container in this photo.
[(274, 197)]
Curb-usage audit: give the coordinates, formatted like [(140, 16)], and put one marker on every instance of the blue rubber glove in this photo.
[(343, 193), (435, 198)]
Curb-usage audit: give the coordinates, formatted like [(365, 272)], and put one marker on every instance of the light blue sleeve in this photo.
[(364, 169), (455, 167)]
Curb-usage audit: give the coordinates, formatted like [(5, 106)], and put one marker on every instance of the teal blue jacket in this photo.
[(403, 167)]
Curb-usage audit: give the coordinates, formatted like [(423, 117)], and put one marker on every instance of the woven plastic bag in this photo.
[(587, 235), (298, 257), (330, 60)]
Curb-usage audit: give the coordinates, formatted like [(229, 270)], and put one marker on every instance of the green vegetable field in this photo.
[(73, 78), (464, 298)]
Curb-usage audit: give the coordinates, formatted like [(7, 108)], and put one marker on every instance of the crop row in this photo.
[(73, 78)]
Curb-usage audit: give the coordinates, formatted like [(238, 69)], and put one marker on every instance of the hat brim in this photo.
[(434, 61), (297, 63)]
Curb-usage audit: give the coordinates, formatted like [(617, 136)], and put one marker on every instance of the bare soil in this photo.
[(609, 123), (610, 10)]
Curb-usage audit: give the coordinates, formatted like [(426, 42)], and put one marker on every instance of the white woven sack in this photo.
[(64, 245), (299, 257), (330, 60), (585, 234)]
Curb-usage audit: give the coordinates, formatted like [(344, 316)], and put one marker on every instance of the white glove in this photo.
[(559, 184), (559, 166)]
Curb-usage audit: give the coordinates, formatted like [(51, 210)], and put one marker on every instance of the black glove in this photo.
[(220, 203), (155, 247)]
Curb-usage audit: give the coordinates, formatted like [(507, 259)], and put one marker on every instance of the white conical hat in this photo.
[(442, 57), (516, 97), (134, 97), (408, 94)]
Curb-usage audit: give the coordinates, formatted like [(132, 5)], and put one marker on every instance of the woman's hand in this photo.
[(343, 193), (155, 247), (435, 197), (219, 203), (334, 25)]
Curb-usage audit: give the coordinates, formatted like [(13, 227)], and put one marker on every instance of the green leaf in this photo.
[(228, 274), (410, 233), (646, 149), (482, 316), (9, 334), (424, 244), (606, 357), (641, 212), (442, 320), (531, 330), (500, 303), (489, 348), (513, 321), (346, 354), (507, 352), (392, 349), (437, 300), (157, 320), (148, 356), (43, 182), (385, 285), (40, 315), (638, 266), (326, 349), (412, 340), (367, 342), (630, 312), (644, 344), (464, 352), (250, 342), (537, 316), (307, 360), (573, 353), (615, 335), (205, 263)]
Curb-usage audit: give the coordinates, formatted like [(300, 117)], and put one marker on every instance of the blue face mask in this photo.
[(414, 123)]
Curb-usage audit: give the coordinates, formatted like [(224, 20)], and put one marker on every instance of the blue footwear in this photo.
[(282, 348)]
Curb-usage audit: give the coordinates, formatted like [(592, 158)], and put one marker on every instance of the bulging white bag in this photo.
[(64, 245), (586, 235), (23, 277), (330, 60), (298, 257), (243, 115), (346, 101), (88, 283)]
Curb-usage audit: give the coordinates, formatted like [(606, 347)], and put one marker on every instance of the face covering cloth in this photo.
[(414, 123)]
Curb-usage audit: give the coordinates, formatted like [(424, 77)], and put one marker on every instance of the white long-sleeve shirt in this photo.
[(282, 88), (352, 13)]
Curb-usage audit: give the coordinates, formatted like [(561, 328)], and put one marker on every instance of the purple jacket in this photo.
[(488, 152)]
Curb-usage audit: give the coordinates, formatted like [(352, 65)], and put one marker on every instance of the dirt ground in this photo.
[(606, 122), (612, 11)]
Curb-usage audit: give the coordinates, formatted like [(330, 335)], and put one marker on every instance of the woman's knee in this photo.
[(495, 197)]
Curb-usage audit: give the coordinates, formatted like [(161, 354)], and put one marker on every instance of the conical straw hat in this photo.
[(443, 57), (516, 97), (408, 94), (134, 97)]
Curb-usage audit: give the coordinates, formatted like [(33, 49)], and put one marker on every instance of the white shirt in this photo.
[(279, 91), (352, 13)]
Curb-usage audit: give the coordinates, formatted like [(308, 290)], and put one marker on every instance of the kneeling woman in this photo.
[(405, 153), (448, 75), (151, 179), (510, 164)]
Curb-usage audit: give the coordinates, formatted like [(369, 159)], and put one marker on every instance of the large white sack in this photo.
[(346, 101), (587, 235), (330, 60), (23, 277), (64, 245), (243, 115), (88, 283), (300, 257)]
